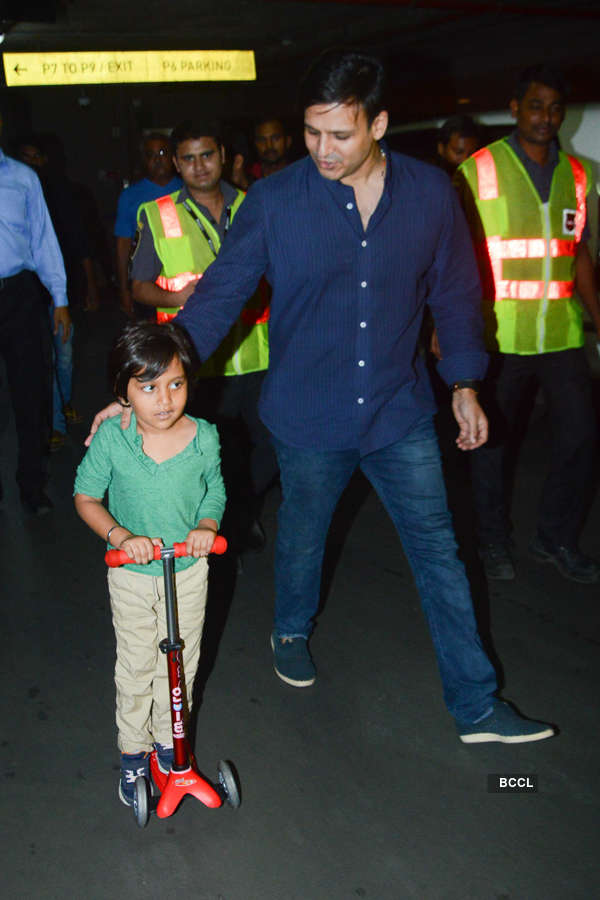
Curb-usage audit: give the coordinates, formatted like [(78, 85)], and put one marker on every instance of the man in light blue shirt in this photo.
[(28, 248), (160, 180)]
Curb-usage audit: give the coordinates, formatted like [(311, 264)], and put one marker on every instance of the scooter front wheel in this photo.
[(141, 801), (228, 783)]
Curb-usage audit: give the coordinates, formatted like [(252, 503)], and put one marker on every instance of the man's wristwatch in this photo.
[(471, 383)]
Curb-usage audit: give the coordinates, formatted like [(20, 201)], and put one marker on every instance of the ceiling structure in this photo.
[(437, 52)]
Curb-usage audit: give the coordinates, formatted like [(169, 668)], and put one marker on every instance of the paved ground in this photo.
[(356, 788)]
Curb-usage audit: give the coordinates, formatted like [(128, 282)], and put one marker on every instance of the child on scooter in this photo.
[(164, 482)]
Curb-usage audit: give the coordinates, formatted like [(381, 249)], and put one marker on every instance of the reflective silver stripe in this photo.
[(547, 263)]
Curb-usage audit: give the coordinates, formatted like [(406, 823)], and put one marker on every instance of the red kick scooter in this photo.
[(184, 777)]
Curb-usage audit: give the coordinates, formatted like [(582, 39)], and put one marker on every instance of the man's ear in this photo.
[(514, 107), (379, 124), (174, 158)]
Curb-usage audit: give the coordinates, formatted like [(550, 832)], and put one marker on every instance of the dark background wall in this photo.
[(441, 57)]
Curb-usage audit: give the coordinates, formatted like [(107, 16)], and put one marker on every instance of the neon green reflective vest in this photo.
[(526, 250), (185, 254)]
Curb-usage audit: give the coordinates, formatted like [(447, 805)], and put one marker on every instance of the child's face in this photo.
[(158, 404)]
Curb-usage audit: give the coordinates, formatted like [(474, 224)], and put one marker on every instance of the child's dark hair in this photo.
[(144, 350)]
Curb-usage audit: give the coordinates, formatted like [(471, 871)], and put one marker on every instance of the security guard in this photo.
[(179, 236), (526, 204)]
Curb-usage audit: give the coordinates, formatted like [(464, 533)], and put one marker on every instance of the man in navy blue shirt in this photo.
[(354, 240)]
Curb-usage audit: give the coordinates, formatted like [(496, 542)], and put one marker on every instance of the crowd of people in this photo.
[(302, 288)]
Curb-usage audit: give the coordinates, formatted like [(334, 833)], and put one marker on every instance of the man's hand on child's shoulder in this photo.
[(113, 409), (140, 548)]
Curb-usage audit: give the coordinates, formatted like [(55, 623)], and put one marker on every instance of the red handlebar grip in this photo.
[(220, 545), (115, 558)]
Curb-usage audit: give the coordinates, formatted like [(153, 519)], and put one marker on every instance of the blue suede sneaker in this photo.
[(505, 725), (292, 662), (132, 766), (164, 758)]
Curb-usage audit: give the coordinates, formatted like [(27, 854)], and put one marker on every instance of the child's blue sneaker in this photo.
[(132, 766), (505, 725), (164, 758)]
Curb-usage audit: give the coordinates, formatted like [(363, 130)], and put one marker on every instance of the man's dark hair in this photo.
[(345, 76), (145, 350), (29, 140), (153, 136), (48, 144), (543, 74), (264, 119), (193, 131), (464, 126)]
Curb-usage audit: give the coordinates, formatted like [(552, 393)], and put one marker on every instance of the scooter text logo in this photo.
[(177, 707)]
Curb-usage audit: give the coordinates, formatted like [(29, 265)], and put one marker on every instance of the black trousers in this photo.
[(25, 347), (249, 463), (565, 381)]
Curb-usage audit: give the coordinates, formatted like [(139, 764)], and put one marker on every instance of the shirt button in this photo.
[(363, 284), (363, 324), (363, 244), (361, 362), (349, 205), (360, 400)]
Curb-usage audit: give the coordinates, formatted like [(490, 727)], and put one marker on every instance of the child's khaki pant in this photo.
[(138, 611)]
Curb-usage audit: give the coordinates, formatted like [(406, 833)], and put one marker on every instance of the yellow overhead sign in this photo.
[(122, 66)]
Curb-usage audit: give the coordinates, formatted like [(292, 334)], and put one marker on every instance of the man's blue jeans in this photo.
[(407, 476)]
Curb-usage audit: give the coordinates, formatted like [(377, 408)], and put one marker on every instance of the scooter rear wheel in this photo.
[(229, 785), (141, 801)]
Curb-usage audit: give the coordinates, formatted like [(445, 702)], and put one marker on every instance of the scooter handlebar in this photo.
[(115, 558)]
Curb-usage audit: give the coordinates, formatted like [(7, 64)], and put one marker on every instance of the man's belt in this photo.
[(9, 280)]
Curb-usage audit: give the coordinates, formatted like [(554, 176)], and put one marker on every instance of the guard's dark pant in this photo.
[(249, 463), (565, 381), (24, 344)]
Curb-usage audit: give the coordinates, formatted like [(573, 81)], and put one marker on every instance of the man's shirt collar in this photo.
[(515, 143), (229, 197), (229, 194), (343, 194)]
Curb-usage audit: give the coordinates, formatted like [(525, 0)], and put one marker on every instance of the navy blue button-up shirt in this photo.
[(347, 304)]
